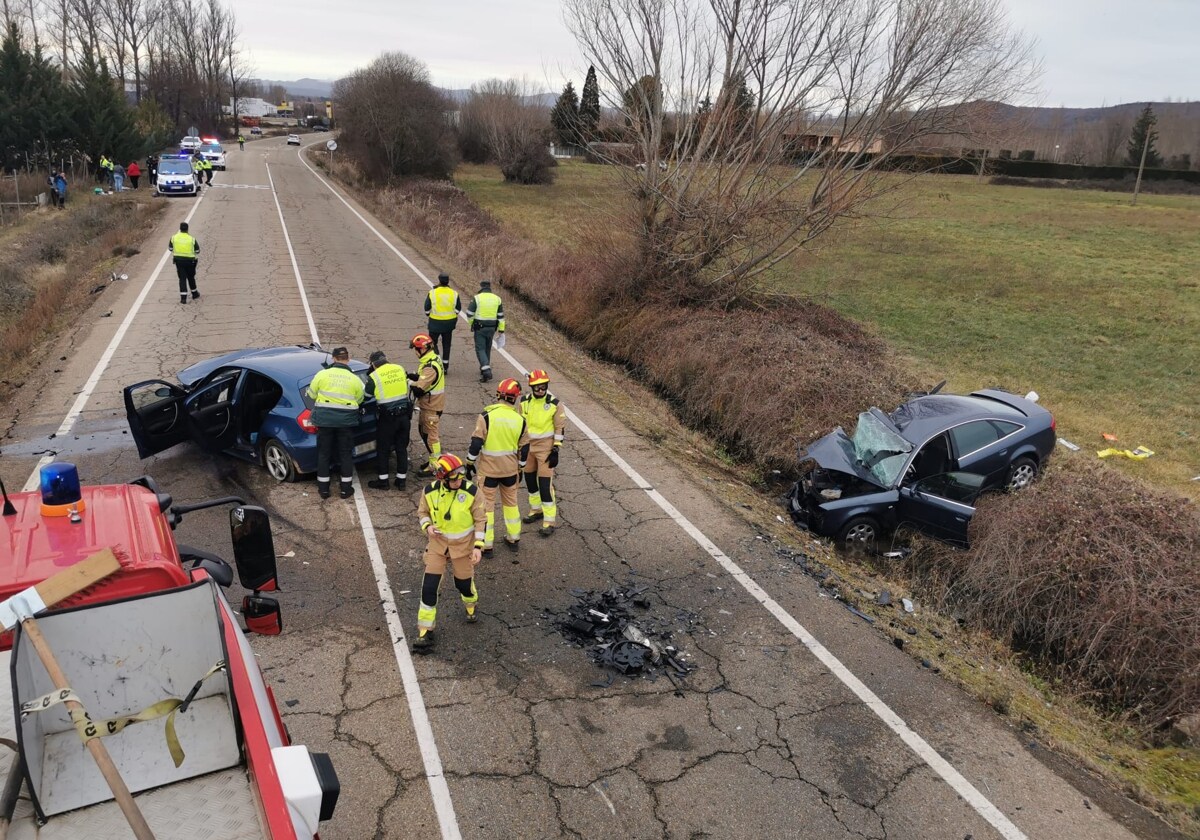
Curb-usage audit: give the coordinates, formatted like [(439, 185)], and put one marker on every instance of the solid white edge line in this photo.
[(81, 400), (439, 790), (893, 721), (312, 327)]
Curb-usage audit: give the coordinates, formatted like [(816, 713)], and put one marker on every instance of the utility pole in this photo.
[(1145, 147)]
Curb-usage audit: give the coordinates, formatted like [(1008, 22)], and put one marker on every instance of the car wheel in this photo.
[(860, 533), (1021, 474), (278, 462)]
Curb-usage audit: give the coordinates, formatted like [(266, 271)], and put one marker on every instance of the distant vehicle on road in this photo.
[(189, 144), (249, 403), (255, 130), (320, 127), (293, 140), (212, 152), (176, 176)]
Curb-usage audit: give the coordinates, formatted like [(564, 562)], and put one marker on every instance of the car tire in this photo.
[(861, 534), (278, 462), (1021, 474)]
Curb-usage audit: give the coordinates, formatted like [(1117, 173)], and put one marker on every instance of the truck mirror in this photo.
[(262, 615), (253, 548)]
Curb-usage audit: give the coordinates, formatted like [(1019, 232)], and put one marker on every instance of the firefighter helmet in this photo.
[(421, 342), (509, 389), (538, 377), (448, 466)]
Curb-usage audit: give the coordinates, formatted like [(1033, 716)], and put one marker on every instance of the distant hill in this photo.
[(543, 100)]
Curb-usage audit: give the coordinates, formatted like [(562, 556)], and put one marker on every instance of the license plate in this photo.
[(364, 448)]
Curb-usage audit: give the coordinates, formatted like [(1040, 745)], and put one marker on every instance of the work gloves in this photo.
[(552, 458)]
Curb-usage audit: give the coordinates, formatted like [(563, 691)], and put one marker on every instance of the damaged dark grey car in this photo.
[(922, 465)]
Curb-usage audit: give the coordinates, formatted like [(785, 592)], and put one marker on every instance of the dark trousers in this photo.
[(207, 176), (445, 337), (392, 432), (186, 269), (330, 438), (133, 179), (483, 348)]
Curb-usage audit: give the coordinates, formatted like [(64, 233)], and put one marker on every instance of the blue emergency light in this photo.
[(61, 492)]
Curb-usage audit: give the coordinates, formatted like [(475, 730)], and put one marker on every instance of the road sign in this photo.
[(193, 131), (331, 145)]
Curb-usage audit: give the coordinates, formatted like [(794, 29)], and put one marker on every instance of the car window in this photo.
[(958, 487), (174, 167), (879, 449), (973, 436), (211, 147), (219, 390)]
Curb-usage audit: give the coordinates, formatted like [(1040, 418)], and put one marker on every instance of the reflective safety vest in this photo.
[(539, 414), (433, 360), (450, 510), (442, 300), (487, 307), (183, 245), (337, 387), (205, 163), (504, 427), (391, 384)]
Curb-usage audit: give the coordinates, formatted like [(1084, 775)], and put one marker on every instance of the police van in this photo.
[(176, 176)]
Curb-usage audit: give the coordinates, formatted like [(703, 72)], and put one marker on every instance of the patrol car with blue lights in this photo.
[(176, 176)]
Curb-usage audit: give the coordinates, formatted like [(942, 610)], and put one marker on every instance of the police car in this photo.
[(176, 176), (212, 152), (189, 144)]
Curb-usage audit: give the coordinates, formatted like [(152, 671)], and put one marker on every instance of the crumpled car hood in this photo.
[(835, 452)]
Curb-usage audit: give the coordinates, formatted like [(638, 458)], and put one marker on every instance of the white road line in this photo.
[(438, 788), (81, 401), (312, 327), (893, 721)]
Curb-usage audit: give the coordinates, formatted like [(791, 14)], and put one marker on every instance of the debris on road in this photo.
[(908, 605), (603, 624), (1074, 447)]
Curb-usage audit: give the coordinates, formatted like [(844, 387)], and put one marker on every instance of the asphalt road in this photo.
[(799, 721)]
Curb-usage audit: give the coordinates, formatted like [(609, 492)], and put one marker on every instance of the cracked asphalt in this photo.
[(761, 740)]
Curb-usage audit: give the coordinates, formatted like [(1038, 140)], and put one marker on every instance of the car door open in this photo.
[(156, 417), (941, 505), (212, 412)]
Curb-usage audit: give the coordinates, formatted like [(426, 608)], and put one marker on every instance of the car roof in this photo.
[(921, 418), (290, 363)]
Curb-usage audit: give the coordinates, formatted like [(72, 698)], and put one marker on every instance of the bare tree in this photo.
[(1114, 133), (512, 132), (840, 87)]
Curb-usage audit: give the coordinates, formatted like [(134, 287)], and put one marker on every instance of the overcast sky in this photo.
[(1095, 52)]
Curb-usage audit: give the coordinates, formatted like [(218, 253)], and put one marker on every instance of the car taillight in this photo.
[(306, 423), (1053, 423)]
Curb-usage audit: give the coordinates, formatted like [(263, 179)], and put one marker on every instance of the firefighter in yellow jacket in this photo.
[(429, 387), (499, 447), (546, 421), (452, 515)]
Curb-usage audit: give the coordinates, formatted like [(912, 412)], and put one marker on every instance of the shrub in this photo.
[(530, 163), (1092, 574)]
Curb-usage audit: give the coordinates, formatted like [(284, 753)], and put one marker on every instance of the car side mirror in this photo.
[(253, 548), (262, 615), (162, 392)]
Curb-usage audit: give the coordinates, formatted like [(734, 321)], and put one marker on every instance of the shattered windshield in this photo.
[(878, 449)]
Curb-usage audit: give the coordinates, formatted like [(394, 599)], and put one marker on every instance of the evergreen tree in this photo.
[(589, 108), (36, 125), (1143, 134), (104, 122), (564, 117)]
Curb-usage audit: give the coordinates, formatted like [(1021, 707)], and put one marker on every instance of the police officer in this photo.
[(442, 306), (206, 169), (429, 387), (241, 142), (547, 425), (337, 393), (500, 444), (388, 383), (451, 517), (485, 314), (185, 251)]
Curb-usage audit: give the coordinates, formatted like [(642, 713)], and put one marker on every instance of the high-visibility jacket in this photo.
[(435, 384), (205, 163), (442, 304), (184, 246), (337, 387), (487, 309), (544, 417), (500, 441), (391, 385), (453, 512)]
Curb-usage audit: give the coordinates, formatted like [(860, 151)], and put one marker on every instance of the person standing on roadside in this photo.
[(442, 306), (118, 176), (206, 169), (134, 172), (451, 516), (429, 387), (186, 253), (388, 383), (500, 442), (485, 314), (547, 424), (241, 143), (337, 393)]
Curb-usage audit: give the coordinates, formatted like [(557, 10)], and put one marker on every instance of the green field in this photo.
[(1079, 295)]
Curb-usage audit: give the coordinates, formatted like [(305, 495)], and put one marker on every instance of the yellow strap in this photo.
[(89, 729)]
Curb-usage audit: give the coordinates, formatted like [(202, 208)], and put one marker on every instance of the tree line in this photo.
[(115, 77)]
